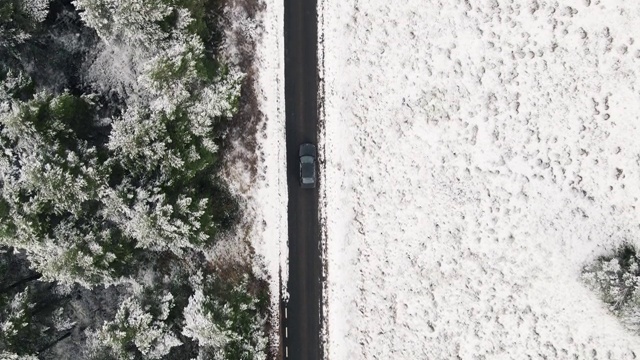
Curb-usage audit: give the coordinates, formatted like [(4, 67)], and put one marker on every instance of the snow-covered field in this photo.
[(476, 155)]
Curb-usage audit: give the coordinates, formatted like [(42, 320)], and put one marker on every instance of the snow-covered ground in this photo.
[(476, 155), (271, 189), (264, 193)]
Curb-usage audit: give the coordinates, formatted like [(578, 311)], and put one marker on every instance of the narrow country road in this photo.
[(301, 326)]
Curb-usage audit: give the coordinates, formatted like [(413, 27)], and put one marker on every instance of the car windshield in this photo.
[(306, 159)]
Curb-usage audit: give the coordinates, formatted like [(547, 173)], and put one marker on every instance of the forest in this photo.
[(113, 118)]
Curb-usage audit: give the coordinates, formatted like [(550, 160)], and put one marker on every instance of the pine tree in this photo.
[(616, 279), (18, 19), (32, 317), (225, 319), (139, 22), (135, 333), (51, 181), (99, 189)]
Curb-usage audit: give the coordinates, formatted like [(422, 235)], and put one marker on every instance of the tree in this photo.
[(138, 22), (225, 319), (51, 181), (616, 279), (82, 210), (13, 86), (12, 356), (18, 19), (201, 326), (32, 317), (135, 332), (103, 189)]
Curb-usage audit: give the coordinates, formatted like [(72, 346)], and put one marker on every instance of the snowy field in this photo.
[(477, 154)]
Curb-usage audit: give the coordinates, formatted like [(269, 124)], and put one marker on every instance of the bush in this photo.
[(616, 278)]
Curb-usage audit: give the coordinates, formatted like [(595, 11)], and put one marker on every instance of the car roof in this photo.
[(307, 170)]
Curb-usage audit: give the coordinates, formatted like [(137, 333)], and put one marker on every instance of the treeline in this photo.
[(112, 116)]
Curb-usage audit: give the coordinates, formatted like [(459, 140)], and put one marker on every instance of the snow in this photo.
[(265, 195), (272, 190), (476, 155)]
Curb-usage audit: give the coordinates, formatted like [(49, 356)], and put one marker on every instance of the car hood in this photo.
[(307, 149)]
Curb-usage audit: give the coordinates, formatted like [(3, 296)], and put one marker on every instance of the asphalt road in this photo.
[(302, 323)]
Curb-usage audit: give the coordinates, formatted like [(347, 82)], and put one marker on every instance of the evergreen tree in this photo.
[(104, 188), (225, 318), (32, 317), (51, 184), (138, 21), (135, 333), (616, 279), (17, 20)]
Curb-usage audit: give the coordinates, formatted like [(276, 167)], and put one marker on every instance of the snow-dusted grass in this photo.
[(264, 192), (477, 155)]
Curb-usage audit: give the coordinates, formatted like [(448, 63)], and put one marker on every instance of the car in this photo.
[(307, 156)]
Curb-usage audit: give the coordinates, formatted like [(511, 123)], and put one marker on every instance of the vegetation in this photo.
[(110, 118), (616, 279)]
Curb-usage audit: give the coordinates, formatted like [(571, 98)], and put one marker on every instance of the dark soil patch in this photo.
[(242, 130)]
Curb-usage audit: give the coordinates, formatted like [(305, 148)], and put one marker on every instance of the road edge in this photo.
[(322, 201)]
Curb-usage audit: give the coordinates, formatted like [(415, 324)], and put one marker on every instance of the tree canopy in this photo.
[(109, 158)]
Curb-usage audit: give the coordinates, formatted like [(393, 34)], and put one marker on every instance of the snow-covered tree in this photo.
[(165, 139), (617, 280), (35, 9), (13, 356), (225, 319), (63, 203), (18, 18), (135, 332), (32, 318), (141, 22), (16, 326), (155, 221), (105, 188), (14, 85), (51, 183), (200, 324)]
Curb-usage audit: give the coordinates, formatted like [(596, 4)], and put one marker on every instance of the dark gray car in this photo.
[(307, 155)]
